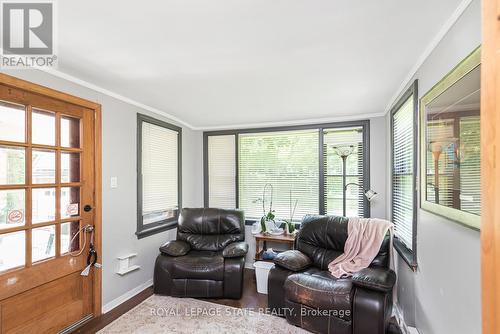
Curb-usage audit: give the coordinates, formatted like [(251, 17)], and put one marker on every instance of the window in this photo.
[(222, 171), (470, 164), (403, 178), (299, 162), (340, 144), (159, 175), (288, 160)]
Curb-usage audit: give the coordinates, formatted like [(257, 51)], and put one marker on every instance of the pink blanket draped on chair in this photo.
[(365, 236)]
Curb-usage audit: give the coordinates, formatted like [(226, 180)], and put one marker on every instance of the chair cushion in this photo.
[(378, 279), (320, 290), (293, 260), (235, 249), (175, 248), (203, 265), (322, 238), (210, 229)]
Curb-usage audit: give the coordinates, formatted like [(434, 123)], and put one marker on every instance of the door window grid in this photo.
[(48, 231)]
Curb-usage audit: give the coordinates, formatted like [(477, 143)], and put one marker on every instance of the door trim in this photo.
[(58, 95), (490, 167)]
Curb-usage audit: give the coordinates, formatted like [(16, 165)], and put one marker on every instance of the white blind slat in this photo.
[(403, 172), (470, 165), (289, 161), (222, 171), (159, 171)]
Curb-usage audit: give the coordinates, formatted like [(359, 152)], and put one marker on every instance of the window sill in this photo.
[(156, 229), (408, 256), (250, 222)]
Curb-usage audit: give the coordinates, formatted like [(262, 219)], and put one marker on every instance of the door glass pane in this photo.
[(70, 202), (68, 232), (11, 208), (44, 167), (12, 122), (70, 167), (12, 165), (43, 243), (43, 205), (43, 128), (70, 132), (12, 250)]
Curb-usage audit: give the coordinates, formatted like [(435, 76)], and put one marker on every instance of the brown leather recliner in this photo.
[(208, 257), (302, 289)]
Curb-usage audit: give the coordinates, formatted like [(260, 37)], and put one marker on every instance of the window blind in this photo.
[(159, 173), (350, 139), (470, 165), (289, 160), (441, 131), (222, 171), (403, 172)]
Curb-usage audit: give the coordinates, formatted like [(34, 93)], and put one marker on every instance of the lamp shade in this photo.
[(370, 194)]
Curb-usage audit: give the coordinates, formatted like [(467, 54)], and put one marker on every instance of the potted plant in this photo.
[(268, 216), (289, 225)]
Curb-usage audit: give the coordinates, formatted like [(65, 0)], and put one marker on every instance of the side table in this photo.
[(283, 238)]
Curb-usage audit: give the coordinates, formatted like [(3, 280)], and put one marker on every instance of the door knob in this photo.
[(87, 208)]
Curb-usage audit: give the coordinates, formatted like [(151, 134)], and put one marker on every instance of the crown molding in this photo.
[(133, 102), (428, 50), (307, 121), (112, 94)]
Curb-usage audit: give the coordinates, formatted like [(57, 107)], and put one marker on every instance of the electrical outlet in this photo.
[(114, 182)]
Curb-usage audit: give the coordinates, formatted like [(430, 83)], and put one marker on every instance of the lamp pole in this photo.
[(436, 155), (344, 183), (344, 152)]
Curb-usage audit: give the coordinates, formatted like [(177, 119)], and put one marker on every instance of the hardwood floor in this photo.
[(99, 323), (249, 299)]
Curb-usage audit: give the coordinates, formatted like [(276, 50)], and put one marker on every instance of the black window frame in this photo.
[(167, 224), (364, 124), (408, 255)]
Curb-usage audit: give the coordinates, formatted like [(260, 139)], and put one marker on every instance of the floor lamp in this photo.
[(436, 148), (344, 152)]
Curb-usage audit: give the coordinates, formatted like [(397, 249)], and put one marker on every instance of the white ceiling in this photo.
[(220, 63)]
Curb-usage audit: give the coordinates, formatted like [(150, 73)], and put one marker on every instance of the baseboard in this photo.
[(126, 296)]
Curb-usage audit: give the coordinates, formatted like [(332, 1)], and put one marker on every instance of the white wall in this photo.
[(119, 205), (443, 296), (379, 162)]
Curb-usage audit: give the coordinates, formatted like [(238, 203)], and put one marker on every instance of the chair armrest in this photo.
[(175, 248), (293, 260), (378, 279), (235, 249)]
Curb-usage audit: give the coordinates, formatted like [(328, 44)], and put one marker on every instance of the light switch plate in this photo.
[(114, 182)]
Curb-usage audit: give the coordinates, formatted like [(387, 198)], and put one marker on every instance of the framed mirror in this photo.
[(450, 144)]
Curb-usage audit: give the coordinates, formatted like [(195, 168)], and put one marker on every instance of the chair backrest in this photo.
[(322, 238), (210, 229)]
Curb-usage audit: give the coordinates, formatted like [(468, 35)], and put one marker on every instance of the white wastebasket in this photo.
[(261, 272)]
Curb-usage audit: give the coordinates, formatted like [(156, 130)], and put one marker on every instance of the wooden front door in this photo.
[(49, 191)]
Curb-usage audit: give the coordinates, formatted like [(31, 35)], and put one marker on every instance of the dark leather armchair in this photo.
[(208, 257), (302, 289)]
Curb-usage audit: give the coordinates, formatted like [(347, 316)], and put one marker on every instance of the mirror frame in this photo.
[(467, 219)]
